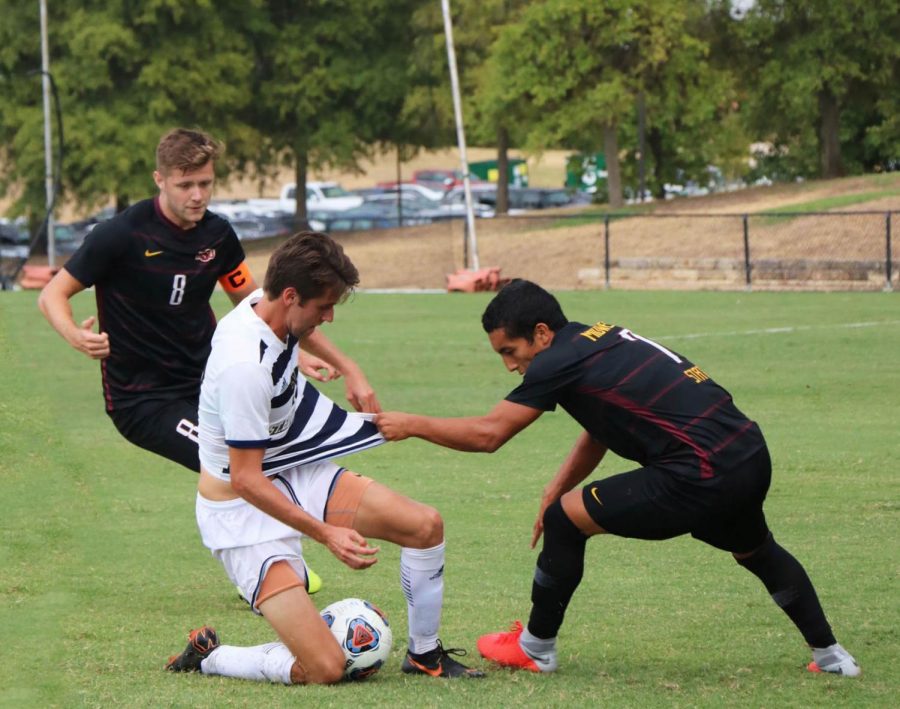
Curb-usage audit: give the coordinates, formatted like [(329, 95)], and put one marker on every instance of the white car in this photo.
[(319, 195), (322, 195)]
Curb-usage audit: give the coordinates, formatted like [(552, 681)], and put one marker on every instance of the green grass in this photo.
[(836, 202), (102, 571)]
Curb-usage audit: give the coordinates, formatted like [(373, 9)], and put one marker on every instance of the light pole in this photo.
[(48, 139), (460, 133)]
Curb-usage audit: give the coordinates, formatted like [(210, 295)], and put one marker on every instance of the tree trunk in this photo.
[(655, 141), (301, 164), (502, 206), (829, 137), (122, 203), (613, 175)]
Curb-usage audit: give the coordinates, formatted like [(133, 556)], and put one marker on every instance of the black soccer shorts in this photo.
[(167, 428), (725, 511)]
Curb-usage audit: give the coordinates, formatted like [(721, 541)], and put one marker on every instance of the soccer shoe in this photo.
[(438, 663), (834, 659), (201, 642), (505, 650), (313, 581)]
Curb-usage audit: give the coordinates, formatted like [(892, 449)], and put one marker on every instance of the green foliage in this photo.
[(806, 58), (318, 84), (102, 571), (330, 81), (126, 73)]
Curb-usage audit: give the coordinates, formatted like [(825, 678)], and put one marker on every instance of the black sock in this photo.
[(560, 567), (793, 592)]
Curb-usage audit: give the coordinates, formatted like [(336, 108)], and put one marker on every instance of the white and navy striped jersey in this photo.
[(253, 396)]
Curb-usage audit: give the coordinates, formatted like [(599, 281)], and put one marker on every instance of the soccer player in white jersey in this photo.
[(267, 438)]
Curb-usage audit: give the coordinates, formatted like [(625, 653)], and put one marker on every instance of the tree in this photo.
[(813, 60), (690, 93), (126, 72), (330, 81)]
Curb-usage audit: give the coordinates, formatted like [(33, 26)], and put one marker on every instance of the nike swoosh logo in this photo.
[(433, 671), (148, 253), (594, 493)]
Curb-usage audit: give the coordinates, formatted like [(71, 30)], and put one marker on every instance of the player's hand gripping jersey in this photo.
[(253, 396), (643, 401)]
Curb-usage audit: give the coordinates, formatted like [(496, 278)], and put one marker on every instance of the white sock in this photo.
[(541, 650), (271, 662), (422, 579)]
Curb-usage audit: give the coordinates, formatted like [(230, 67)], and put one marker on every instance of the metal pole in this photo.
[(460, 133), (606, 250), (399, 190), (747, 277), (48, 140), (888, 257), (642, 123)]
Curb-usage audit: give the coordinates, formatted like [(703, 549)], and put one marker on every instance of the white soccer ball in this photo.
[(364, 634)]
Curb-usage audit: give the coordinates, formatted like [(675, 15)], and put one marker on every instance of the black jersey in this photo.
[(153, 281), (642, 401)]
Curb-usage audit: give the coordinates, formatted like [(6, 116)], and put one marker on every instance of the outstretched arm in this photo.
[(360, 393), (472, 433), (584, 457), (54, 304)]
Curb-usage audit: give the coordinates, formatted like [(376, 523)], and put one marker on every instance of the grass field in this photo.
[(102, 572)]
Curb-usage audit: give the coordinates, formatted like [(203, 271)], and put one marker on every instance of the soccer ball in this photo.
[(364, 634)]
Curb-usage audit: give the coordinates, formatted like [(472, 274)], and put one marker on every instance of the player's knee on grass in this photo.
[(323, 667)]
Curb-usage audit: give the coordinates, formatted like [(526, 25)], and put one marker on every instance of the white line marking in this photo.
[(777, 330)]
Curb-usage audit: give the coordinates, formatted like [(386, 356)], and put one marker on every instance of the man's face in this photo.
[(517, 352), (305, 316), (184, 195)]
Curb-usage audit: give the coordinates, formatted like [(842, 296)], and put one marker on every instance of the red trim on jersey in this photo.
[(706, 470)]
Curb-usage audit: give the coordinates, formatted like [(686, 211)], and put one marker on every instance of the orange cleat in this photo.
[(505, 650)]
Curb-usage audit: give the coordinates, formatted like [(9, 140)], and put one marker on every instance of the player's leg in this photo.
[(307, 654), (167, 428), (170, 430), (627, 505), (740, 527), (377, 511), (318, 658)]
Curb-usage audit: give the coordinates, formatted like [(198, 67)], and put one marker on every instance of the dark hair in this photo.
[(519, 307), (186, 150), (314, 264)]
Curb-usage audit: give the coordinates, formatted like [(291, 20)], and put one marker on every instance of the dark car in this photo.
[(250, 227)]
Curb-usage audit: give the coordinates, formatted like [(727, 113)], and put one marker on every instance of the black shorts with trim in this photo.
[(725, 511), (167, 428)]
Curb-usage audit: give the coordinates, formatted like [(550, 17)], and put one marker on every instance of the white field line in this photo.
[(778, 330)]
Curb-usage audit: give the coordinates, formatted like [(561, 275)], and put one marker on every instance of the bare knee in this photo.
[(430, 530)]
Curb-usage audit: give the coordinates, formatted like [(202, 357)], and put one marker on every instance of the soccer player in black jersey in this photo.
[(705, 467), (154, 268)]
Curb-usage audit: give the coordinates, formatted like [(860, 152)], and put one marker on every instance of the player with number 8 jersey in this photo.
[(153, 282)]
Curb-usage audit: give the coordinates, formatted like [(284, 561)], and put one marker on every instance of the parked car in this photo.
[(14, 240), (370, 216), (319, 195), (411, 205), (405, 187), (521, 199), (252, 227), (444, 180), (438, 179)]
